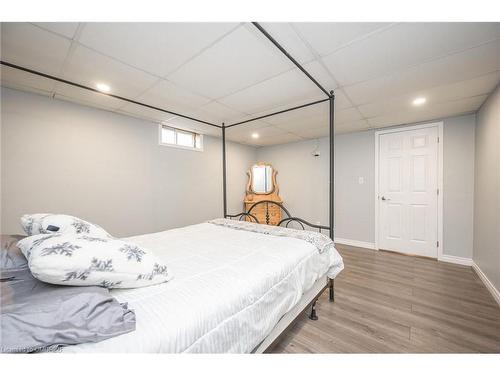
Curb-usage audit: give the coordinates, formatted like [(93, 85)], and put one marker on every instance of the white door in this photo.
[(407, 194)]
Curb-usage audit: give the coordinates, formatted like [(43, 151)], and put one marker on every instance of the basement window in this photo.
[(170, 136)]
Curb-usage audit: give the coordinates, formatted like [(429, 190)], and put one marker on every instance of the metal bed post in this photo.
[(332, 164), (224, 187), (332, 184)]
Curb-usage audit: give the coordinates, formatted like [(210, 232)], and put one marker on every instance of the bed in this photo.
[(233, 291)]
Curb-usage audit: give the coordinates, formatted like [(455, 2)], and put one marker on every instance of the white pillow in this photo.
[(50, 223), (68, 259), (32, 223)]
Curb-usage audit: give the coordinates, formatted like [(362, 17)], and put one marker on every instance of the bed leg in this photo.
[(313, 315), (331, 289)]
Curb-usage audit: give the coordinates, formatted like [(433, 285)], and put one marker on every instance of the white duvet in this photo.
[(230, 288)]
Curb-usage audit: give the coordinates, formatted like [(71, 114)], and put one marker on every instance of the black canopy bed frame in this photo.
[(310, 301)]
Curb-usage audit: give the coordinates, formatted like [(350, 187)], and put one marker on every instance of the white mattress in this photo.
[(230, 289)]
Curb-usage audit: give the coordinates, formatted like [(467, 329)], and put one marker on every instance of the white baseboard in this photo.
[(456, 260), (345, 241), (487, 283)]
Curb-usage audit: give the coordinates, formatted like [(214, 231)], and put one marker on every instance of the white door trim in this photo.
[(439, 126)]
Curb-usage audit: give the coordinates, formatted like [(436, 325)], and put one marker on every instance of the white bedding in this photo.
[(229, 290)]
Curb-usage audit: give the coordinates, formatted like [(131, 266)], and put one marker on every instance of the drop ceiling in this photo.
[(229, 72)]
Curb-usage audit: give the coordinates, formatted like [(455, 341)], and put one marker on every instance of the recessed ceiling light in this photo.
[(419, 101), (103, 87), (255, 135)]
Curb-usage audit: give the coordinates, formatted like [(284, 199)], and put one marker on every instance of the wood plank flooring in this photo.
[(393, 303)]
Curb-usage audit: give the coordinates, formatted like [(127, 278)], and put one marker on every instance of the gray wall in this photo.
[(107, 168), (487, 189), (458, 185), (304, 183), (238, 161), (354, 202), (302, 178)]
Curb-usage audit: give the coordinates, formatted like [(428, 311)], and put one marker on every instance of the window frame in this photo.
[(197, 136)]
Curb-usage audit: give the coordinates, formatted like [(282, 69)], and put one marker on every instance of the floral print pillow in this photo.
[(50, 223), (78, 260), (32, 223)]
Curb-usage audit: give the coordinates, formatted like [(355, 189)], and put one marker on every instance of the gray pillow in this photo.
[(37, 317), (11, 257)]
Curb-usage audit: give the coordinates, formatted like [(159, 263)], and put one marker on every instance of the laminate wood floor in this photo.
[(393, 303)]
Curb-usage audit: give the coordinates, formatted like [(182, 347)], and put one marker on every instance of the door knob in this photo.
[(384, 198)]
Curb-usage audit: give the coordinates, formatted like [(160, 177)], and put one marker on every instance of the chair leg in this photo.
[(331, 290), (313, 315)]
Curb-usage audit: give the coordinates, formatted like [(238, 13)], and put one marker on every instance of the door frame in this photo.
[(378, 133)]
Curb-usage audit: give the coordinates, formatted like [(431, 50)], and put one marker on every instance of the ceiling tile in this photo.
[(219, 113), (248, 128), (314, 133), (287, 88), (301, 117), (458, 67), (315, 113), (310, 123), (283, 107), (403, 46), (90, 98), (267, 134), (326, 37), (321, 74), (165, 94), (66, 29), (432, 112), (158, 48), (324, 131), (459, 90), (29, 46), (17, 79), (238, 61), (244, 132), (88, 67), (145, 113), (347, 115), (341, 100), (285, 34), (277, 140), (351, 126)]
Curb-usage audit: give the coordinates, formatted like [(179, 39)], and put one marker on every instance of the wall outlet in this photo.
[(361, 180)]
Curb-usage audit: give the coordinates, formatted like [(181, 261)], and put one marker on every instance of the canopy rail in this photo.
[(278, 112), (290, 57), (75, 84)]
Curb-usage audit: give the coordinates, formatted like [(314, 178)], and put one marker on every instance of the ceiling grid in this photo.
[(229, 73)]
